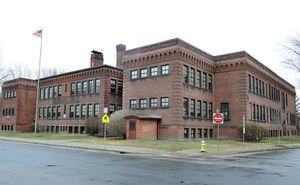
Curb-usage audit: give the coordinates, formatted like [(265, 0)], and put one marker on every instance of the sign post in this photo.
[(105, 121), (218, 119)]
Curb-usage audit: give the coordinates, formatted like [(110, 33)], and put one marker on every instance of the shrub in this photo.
[(91, 126), (116, 126), (254, 132)]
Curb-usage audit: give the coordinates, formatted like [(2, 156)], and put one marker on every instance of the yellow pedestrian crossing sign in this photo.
[(105, 119)]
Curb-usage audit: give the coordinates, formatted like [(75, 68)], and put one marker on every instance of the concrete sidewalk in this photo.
[(78, 145), (191, 153)]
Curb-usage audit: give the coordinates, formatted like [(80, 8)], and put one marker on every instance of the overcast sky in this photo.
[(72, 28)]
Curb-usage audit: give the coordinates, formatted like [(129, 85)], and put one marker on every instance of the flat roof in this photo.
[(150, 117)]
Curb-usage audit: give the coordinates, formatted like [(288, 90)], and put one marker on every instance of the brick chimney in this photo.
[(121, 48), (96, 59)]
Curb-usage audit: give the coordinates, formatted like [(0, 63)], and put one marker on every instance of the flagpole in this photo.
[(38, 86)]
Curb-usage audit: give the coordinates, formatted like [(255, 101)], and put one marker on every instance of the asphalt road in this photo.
[(25, 164)]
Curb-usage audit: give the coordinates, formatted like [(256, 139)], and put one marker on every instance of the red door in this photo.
[(132, 130)]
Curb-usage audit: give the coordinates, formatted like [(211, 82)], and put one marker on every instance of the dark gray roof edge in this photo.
[(16, 79), (82, 70), (143, 117), (240, 54), (171, 42)]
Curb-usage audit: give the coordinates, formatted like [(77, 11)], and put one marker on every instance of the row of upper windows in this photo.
[(197, 108), (259, 87), (8, 112), (264, 114), (50, 92), (81, 88), (197, 78), (11, 94), (93, 87), (153, 103), (143, 73), (85, 87)]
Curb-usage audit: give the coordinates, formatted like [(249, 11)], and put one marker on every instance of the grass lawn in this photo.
[(44, 136), (212, 146)]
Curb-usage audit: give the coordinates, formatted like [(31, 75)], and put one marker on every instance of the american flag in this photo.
[(38, 33)]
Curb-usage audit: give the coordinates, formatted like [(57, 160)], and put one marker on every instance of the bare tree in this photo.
[(19, 71), (4, 74), (45, 72), (292, 49)]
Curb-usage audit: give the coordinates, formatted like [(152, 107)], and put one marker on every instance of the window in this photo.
[(83, 111), (132, 125), (77, 111), (72, 88), (204, 82), (199, 113), (120, 88), (58, 112), (97, 87), (44, 112), (259, 87), (54, 91), (185, 74), (204, 108), (253, 112), (198, 78), (54, 112), (154, 71), (144, 73), (96, 110), (84, 87), (210, 110), (153, 102), (256, 85), (46, 92), (253, 84), (113, 86), (186, 133), (133, 104), (112, 108), (165, 69), (210, 86), (59, 90), (133, 74), (263, 88), (192, 71), (185, 107), (90, 111), (164, 102), (192, 111), (49, 113), (143, 103), (193, 133), (225, 110), (249, 82), (257, 112), (119, 107), (41, 93), (91, 87), (40, 112), (78, 88), (50, 92)]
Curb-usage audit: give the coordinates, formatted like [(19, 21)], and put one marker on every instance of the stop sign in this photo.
[(218, 118)]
